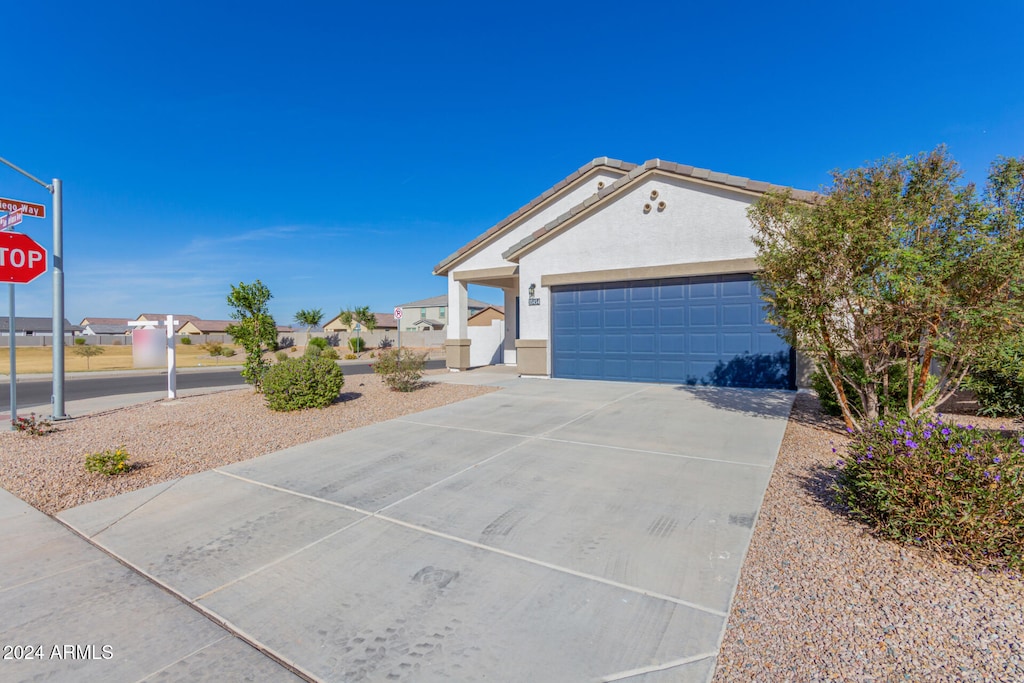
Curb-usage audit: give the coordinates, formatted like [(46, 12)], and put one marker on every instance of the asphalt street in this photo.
[(81, 386)]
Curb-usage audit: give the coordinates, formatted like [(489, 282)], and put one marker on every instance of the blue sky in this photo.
[(338, 151)]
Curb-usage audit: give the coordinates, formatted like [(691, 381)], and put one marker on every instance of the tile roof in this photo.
[(441, 300), (702, 174), (105, 321), (23, 324), (598, 163)]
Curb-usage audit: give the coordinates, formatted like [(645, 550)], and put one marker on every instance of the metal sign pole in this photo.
[(14, 372), (58, 300), (172, 380)]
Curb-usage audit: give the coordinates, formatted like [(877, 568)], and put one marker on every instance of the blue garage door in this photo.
[(695, 330)]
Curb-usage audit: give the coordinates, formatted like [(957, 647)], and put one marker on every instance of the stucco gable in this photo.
[(638, 175), (550, 195)]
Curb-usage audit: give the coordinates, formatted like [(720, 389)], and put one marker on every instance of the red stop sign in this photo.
[(22, 260)]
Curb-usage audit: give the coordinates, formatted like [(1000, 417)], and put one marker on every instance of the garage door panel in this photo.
[(735, 344), (703, 316), (704, 344), (672, 343), (736, 288), (700, 330), (642, 343), (642, 317), (737, 314), (589, 319), (616, 343), (671, 316)]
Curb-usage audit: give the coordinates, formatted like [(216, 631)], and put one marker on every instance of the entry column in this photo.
[(457, 342)]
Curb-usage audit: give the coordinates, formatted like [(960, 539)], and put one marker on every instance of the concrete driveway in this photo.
[(550, 531)]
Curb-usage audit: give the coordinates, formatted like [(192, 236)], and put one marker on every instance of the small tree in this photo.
[(310, 318), (895, 265), (87, 351), (256, 330)]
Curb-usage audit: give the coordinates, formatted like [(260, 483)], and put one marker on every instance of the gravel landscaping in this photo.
[(171, 439), (821, 599)]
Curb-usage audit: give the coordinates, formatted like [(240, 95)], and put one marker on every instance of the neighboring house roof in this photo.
[(103, 328), (385, 321), (653, 166), (502, 227), (34, 325), (441, 301), (182, 318), (123, 322), (499, 309), (208, 326), (428, 321)]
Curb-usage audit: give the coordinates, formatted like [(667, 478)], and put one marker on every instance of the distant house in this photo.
[(197, 326), (432, 313), (200, 326), (485, 317), (94, 326), (38, 327), (385, 321), (179, 318)]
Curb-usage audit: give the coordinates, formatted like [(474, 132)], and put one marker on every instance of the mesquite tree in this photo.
[(256, 330), (896, 267)]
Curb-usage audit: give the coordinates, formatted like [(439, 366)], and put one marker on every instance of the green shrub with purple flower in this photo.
[(952, 488)]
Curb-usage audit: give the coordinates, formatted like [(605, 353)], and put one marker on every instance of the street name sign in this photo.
[(8, 221), (28, 208), (22, 260)]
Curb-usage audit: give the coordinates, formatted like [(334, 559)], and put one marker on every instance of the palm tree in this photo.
[(310, 318)]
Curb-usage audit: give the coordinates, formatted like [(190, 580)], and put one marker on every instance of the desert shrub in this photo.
[(385, 343), (351, 356), (997, 379), (401, 369), (318, 343), (948, 487), (357, 344), (329, 353), (187, 341), (281, 356), (228, 352), (32, 425), (108, 462), (891, 403), (212, 348), (80, 341), (305, 382)]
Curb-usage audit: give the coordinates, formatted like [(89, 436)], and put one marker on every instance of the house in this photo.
[(485, 317), (95, 326), (38, 327), (200, 326), (432, 313), (385, 321), (159, 318), (627, 272)]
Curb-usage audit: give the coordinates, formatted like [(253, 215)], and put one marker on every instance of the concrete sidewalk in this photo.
[(70, 612), (551, 531)]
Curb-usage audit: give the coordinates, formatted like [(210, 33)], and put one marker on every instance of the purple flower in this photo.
[(945, 431), (969, 427), (881, 423), (839, 463), (970, 457), (899, 430), (996, 477), (996, 460), (927, 434), (849, 430), (895, 442), (911, 444), (988, 475), (902, 423)]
